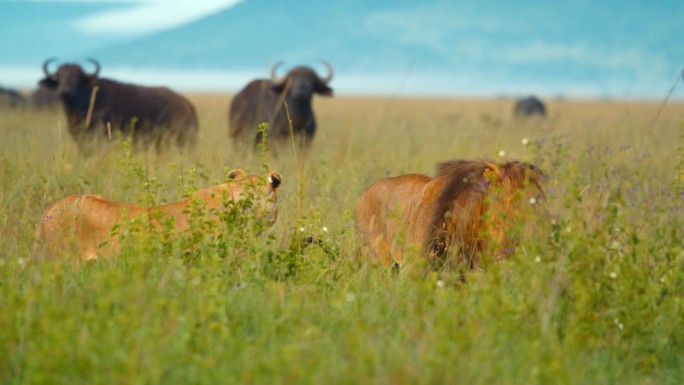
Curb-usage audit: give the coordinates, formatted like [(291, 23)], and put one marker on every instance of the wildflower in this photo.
[(502, 153), (662, 279), (301, 229), (612, 275), (440, 283), (533, 201), (538, 259), (525, 141), (325, 229), (350, 297)]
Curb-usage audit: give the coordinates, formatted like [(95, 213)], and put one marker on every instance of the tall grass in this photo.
[(594, 294)]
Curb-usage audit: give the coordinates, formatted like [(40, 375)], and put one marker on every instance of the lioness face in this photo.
[(264, 191)]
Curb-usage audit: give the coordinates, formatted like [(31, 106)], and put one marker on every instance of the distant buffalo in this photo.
[(264, 100), (529, 106), (44, 97), (10, 97), (93, 105)]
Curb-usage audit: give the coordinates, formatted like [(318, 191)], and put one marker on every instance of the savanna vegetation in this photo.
[(593, 294)]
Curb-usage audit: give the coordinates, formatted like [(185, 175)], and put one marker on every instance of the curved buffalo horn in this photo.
[(274, 77), (328, 78), (45, 66), (97, 67)]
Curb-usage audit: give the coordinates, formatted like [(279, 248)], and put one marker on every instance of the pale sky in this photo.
[(146, 16)]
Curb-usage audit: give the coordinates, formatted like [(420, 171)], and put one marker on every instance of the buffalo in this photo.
[(97, 106), (10, 97), (529, 106), (45, 98), (271, 101)]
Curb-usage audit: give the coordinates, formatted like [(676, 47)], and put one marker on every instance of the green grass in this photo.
[(593, 295)]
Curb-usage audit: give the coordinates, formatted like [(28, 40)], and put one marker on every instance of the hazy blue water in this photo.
[(620, 49)]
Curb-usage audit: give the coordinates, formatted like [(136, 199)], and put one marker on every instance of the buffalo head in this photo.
[(69, 78), (529, 106), (302, 82)]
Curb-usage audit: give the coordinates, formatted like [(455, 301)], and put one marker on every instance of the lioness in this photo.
[(466, 206), (84, 223)]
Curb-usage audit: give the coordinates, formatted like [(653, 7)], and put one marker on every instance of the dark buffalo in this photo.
[(97, 106), (43, 98), (10, 97), (264, 100), (529, 106)]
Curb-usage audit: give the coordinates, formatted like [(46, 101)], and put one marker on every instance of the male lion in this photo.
[(469, 206), (84, 223)]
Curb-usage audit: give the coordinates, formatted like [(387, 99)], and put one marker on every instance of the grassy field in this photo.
[(595, 295)]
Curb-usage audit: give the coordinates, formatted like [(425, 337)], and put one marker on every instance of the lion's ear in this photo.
[(534, 173), (491, 176), (274, 179), (237, 174), (492, 173)]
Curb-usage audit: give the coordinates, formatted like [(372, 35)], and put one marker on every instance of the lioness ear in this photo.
[(274, 179), (236, 174)]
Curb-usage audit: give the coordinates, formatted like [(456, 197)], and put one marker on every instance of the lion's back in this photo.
[(388, 193), (78, 221), (383, 207)]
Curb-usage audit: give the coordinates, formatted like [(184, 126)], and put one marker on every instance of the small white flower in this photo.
[(612, 275), (662, 279), (350, 297), (440, 283), (502, 153), (533, 200), (325, 229), (301, 229), (538, 259), (621, 326), (525, 141)]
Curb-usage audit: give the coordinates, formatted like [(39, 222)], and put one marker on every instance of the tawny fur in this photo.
[(468, 207), (82, 224)]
